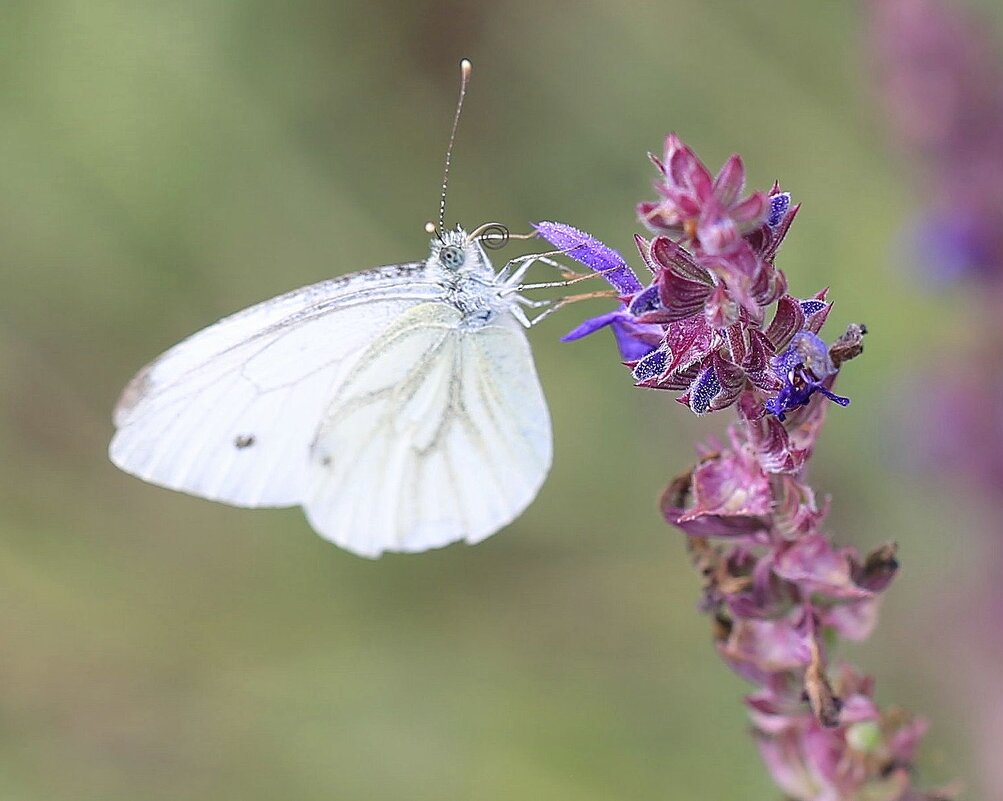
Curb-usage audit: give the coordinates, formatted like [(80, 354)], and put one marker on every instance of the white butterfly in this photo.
[(399, 406)]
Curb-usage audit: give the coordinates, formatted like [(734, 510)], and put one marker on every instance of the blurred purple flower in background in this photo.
[(940, 78), (716, 323), (939, 69)]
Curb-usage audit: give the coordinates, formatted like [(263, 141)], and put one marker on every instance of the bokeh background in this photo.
[(164, 164)]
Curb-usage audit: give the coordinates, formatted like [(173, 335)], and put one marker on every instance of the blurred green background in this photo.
[(164, 164)]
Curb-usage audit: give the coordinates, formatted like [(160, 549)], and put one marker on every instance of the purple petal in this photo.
[(634, 339), (816, 310), (804, 369), (686, 172), (592, 253), (592, 325), (645, 301), (842, 400), (703, 391), (779, 204), (651, 365)]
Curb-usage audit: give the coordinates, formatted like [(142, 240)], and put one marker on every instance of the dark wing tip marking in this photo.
[(133, 393)]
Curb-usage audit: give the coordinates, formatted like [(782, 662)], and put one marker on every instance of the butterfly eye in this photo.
[(451, 257)]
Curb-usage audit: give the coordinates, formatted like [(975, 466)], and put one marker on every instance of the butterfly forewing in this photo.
[(230, 413), (439, 433)]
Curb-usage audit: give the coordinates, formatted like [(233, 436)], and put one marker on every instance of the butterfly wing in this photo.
[(439, 433), (230, 413)]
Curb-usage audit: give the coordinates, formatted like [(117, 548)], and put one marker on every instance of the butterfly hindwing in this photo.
[(439, 433)]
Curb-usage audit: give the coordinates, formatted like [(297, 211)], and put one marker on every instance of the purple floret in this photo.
[(803, 368)]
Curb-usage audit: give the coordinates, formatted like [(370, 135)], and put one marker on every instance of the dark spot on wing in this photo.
[(326, 460), (243, 441)]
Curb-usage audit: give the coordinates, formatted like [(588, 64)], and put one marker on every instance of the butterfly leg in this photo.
[(520, 314), (569, 299), (574, 279), (514, 270)]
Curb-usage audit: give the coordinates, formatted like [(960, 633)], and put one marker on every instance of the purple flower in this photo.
[(804, 368), (634, 339), (780, 202), (589, 251), (701, 327), (954, 245)]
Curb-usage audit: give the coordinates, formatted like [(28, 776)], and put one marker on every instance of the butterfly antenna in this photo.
[(465, 68)]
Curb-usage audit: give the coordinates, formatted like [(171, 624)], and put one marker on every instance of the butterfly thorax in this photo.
[(460, 265)]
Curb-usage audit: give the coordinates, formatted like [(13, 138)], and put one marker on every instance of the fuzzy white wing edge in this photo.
[(440, 433)]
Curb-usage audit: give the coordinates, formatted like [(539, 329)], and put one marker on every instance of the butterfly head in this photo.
[(456, 253)]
